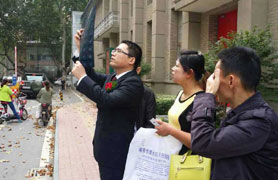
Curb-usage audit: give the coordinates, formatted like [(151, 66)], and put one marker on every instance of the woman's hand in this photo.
[(164, 129)]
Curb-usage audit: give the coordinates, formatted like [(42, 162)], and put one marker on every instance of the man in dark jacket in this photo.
[(118, 98), (148, 106), (245, 147)]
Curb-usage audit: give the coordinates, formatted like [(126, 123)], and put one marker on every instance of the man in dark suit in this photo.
[(148, 107), (118, 103)]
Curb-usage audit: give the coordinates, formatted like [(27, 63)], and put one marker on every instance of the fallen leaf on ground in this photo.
[(9, 152), (3, 161)]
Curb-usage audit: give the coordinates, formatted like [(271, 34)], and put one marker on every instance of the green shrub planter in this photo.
[(164, 103)]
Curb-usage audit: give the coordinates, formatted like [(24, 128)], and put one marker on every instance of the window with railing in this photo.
[(108, 22)]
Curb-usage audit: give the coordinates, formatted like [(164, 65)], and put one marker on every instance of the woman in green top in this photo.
[(5, 95), (45, 94), (44, 97), (189, 72)]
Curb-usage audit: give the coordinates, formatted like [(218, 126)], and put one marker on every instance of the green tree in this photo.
[(48, 22), (65, 10), (14, 22), (257, 39)]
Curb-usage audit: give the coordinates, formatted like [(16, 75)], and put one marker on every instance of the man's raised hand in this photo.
[(213, 82), (77, 38)]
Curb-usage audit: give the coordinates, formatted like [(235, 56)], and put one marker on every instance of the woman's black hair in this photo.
[(4, 82), (47, 85), (193, 60)]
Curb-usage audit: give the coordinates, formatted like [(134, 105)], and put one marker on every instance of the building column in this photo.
[(105, 8), (191, 30), (137, 26), (158, 41), (76, 25), (113, 6), (252, 13), (158, 44), (172, 41), (123, 20), (113, 40)]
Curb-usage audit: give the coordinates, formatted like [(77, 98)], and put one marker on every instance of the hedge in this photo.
[(164, 103)]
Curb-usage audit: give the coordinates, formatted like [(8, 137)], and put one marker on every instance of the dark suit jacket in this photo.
[(118, 110), (147, 109)]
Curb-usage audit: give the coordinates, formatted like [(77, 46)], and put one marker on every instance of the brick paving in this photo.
[(75, 128)]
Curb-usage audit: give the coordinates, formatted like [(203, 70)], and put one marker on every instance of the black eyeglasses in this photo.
[(117, 50)]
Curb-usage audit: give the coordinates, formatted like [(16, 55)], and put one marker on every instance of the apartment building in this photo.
[(163, 27)]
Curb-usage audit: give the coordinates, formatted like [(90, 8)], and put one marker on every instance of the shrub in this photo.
[(103, 71), (145, 68), (164, 103), (257, 39)]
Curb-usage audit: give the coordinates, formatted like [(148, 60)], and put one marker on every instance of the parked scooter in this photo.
[(23, 113), (45, 113)]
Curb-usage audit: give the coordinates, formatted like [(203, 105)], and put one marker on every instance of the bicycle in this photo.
[(20, 100)]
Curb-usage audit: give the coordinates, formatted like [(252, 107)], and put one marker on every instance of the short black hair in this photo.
[(193, 60), (134, 50), (4, 82), (244, 62)]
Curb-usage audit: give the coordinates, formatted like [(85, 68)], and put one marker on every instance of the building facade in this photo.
[(163, 27)]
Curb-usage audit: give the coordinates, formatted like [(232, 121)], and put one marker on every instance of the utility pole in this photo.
[(15, 61)]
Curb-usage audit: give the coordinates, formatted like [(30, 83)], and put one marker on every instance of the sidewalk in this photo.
[(74, 158)]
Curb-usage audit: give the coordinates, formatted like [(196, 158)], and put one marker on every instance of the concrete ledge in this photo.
[(56, 152)]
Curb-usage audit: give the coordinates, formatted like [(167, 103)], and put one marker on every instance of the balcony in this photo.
[(110, 24), (199, 6)]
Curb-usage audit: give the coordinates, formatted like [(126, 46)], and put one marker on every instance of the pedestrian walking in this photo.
[(63, 82)]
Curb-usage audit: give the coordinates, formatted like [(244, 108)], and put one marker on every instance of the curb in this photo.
[(56, 151)]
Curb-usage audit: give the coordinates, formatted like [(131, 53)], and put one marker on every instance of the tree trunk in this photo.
[(63, 45), (6, 54)]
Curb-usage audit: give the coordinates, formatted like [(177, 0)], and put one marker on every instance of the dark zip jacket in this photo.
[(245, 147)]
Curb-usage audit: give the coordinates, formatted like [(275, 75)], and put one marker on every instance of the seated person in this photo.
[(5, 96), (44, 97)]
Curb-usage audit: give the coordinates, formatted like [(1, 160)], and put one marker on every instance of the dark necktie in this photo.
[(114, 78)]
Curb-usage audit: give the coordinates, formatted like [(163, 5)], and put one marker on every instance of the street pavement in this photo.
[(75, 124), (20, 145)]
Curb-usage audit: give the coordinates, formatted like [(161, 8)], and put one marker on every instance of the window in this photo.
[(149, 2), (131, 8), (34, 78)]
